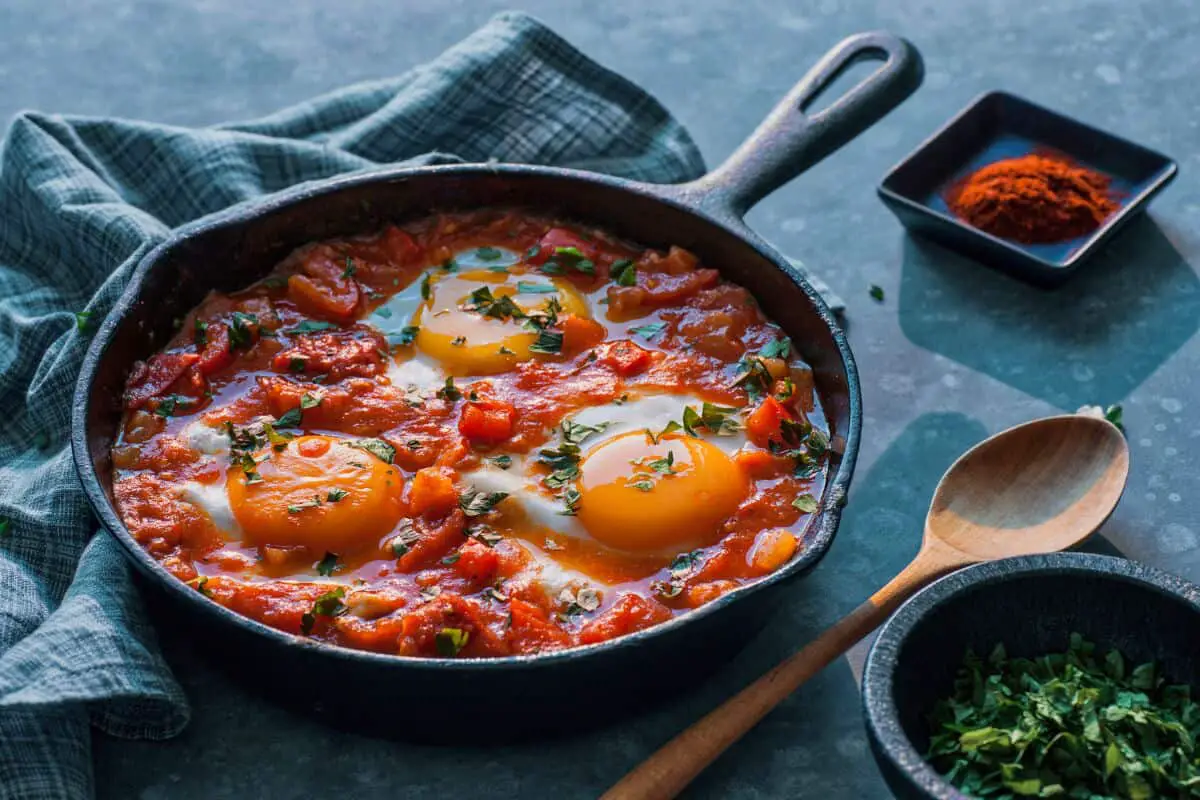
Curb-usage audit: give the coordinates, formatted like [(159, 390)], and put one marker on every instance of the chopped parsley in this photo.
[(328, 564), (1115, 414), (484, 535), (403, 541), (451, 559), (292, 417), (681, 567), (201, 584), (475, 503), (336, 494), (504, 351), (876, 293), (780, 348), (484, 302), (376, 447), (277, 439), (426, 286), (315, 502), (383, 312), (753, 376), (82, 319), (533, 251), (579, 602), (297, 364), (450, 265), (407, 335), (488, 254), (449, 391), (713, 418), (241, 330), (623, 272), (502, 461), (5, 526), (570, 498), (451, 641), (525, 287), (805, 503), (548, 342), (200, 334), (573, 258), (1068, 725), (649, 331), (311, 326), (327, 605), (350, 268), (167, 406)]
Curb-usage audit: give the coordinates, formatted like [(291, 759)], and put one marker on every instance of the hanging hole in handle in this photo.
[(840, 83)]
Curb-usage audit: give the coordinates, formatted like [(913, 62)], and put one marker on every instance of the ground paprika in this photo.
[(1039, 198)]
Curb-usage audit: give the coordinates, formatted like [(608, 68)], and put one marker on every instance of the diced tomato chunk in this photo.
[(532, 631), (765, 423), (435, 542), (335, 354), (656, 289), (153, 377), (399, 246), (420, 629), (580, 333), (477, 562), (487, 421), (556, 238), (432, 493), (630, 613), (623, 357), (217, 353), (323, 288)]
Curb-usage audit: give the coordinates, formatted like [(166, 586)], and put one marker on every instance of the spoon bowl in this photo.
[(1039, 487)]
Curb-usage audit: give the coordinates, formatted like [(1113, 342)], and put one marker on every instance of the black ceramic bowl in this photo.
[(1000, 125), (1032, 605), (488, 699)]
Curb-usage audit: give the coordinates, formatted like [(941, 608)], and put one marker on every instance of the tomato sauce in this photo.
[(315, 454)]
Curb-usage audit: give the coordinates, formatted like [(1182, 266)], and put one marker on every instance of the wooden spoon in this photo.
[(1039, 487)]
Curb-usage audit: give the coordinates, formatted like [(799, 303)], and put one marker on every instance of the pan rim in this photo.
[(819, 536)]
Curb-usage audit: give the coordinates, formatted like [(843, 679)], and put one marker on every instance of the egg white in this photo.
[(650, 412), (213, 501), (206, 439)]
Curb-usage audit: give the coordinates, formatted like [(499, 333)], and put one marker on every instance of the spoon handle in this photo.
[(665, 773)]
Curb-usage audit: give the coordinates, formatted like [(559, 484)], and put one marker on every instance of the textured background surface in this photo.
[(953, 353)]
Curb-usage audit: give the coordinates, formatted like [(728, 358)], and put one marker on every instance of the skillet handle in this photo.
[(790, 141)]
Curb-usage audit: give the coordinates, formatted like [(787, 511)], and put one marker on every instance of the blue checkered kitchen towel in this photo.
[(82, 200)]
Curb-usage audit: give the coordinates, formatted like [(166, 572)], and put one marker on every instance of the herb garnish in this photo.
[(501, 461), (650, 330), (315, 502), (524, 287), (376, 447), (450, 641), (583, 601), (292, 417), (328, 564), (335, 495), (484, 302), (297, 364), (327, 605), (241, 334), (753, 376), (780, 348), (350, 268), (805, 503), (407, 335), (449, 391), (623, 272), (311, 326), (476, 503), (167, 406), (876, 293), (81, 320), (200, 337), (5, 524), (488, 254), (200, 582), (547, 342), (572, 257), (1115, 414), (1069, 725), (720, 420), (681, 567), (426, 286), (403, 541), (459, 341)]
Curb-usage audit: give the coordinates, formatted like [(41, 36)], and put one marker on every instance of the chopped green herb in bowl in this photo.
[(1080, 724)]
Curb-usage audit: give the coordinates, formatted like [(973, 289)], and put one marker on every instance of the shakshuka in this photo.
[(476, 435)]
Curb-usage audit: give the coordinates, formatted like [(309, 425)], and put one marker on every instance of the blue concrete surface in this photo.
[(951, 354)]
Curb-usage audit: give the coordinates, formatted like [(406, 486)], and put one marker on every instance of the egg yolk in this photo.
[(472, 332), (318, 492), (639, 496)]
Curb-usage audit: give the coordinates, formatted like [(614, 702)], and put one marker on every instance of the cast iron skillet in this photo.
[(449, 699)]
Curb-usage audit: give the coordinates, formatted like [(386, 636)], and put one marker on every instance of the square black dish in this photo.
[(998, 125)]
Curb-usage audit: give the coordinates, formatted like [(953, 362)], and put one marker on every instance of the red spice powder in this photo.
[(1038, 198)]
